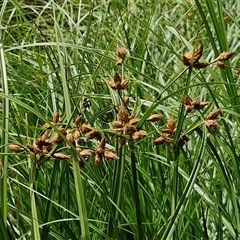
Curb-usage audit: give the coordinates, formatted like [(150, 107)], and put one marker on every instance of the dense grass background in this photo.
[(59, 55)]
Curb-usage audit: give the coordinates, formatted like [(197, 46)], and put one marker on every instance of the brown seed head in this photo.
[(86, 153), (46, 126), (98, 159), (134, 121), (154, 118), (56, 117), (201, 105), (121, 52), (34, 149), (221, 65), (214, 114), (197, 54), (61, 156), (76, 134), (128, 128), (117, 80), (200, 65), (45, 135), (120, 62), (123, 115), (212, 125), (225, 56), (112, 85), (160, 140), (187, 100), (78, 121), (93, 134), (139, 135), (126, 99), (171, 124), (189, 108), (15, 148), (110, 155), (117, 124), (124, 84), (86, 128)]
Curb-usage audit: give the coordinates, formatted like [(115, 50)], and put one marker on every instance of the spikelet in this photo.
[(16, 148), (154, 118)]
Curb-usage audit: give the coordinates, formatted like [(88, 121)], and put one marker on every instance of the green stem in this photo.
[(135, 192), (4, 143)]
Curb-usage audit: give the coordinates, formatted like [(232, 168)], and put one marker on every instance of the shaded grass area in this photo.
[(60, 56)]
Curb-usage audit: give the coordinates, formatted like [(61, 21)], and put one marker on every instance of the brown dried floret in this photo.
[(160, 140), (123, 115), (16, 148), (98, 159), (154, 118), (126, 99), (93, 134), (56, 117), (61, 156), (121, 52), (117, 80), (124, 84), (101, 146), (187, 100), (120, 62), (171, 124), (117, 124), (70, 137), (214, 114), (221, 65), (193, 104), (112, 85), (46, 126), (128, 128), (200, 65), (134, 121), (34, 149), (86, 153), (189, 108), (86, 128), (110, 154), (139, 135), (45, 135), (212, 125), (76, 134), (78, 121), (224, 56), (189, 59)]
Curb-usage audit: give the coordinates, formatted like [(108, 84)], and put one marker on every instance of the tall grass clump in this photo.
[(119, 120)]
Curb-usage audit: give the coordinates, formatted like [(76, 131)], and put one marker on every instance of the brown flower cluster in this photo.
[(222, 58), (121, 52), (192, 59), (117, 83), (193, 104), (126, 127), (211, 120), (44, 145), (169, 132)]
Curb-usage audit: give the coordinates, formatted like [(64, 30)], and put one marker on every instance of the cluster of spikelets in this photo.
[(192, 59), (44, 146), (124, 128)]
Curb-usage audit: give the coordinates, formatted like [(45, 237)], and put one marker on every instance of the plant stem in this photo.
[(135, 191)]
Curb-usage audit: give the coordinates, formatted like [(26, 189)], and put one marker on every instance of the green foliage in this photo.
[(179, 179)]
